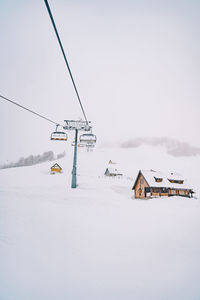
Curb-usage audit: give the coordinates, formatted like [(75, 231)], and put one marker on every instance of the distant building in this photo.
[(56, 169), (154, 184), (111, 162), (112, 172)]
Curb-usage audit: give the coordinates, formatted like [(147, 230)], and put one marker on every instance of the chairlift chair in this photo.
[(58, 135), (88, 138), (90, 145), (78, 144)]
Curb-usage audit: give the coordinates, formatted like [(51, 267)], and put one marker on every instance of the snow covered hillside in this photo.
[(97, 241)]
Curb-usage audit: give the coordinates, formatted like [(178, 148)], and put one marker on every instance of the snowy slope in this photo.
[(97, 242)]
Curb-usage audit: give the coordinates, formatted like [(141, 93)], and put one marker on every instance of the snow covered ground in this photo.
[(97, 241)]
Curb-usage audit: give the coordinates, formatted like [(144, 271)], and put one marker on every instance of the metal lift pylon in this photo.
[(74, 181), (76, 126)]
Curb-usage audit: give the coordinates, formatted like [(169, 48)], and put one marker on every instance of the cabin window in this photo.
[(176, 181), (158, 179), (173, 192), (140, 191), (164, 190), (156, 190), (181, 192), (141, 181)]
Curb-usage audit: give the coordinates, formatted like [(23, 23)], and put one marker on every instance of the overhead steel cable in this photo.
[(33, 112), (65, 58)]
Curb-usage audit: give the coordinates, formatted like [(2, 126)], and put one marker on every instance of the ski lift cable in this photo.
[(33, 112), (65, 58)]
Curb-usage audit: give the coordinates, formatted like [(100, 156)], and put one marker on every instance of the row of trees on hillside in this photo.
[(33, 160)]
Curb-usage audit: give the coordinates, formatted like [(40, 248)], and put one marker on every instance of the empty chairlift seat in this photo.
[(88, 138), (59, 136)]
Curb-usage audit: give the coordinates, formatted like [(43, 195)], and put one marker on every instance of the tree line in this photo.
[(33, 160)]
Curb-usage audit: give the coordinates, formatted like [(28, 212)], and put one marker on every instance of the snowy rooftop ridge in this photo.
[(113, 170), (152, 175)]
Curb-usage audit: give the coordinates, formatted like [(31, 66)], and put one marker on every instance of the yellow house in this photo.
[(56, 169)]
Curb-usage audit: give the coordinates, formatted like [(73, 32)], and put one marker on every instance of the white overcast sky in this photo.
[(135, 63)]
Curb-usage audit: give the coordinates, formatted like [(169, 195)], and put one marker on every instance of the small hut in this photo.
[(111, 162), (112, 172), (56, 169)]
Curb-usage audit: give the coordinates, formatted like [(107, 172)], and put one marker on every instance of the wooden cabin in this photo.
[(112, 172), (150, 183), (56, 169)]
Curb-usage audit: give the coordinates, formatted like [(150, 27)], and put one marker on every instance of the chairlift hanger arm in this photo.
[(80, 125)]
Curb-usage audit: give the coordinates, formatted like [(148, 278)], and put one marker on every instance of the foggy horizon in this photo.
[(136, 66)]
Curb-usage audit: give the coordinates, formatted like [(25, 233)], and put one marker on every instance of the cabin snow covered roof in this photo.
[(151, 175), (111, 162), (175, 176), (56, 166), (113, 170)]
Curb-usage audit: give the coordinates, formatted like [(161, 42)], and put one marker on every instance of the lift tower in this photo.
[(76, 126)]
